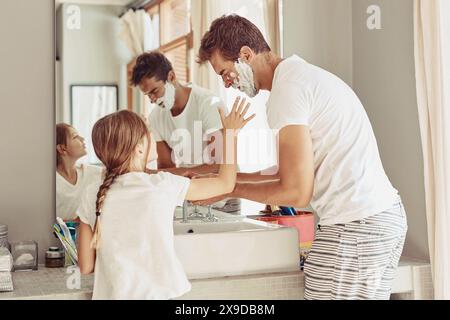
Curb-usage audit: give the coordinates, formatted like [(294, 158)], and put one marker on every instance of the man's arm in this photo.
[(164, 156), (295, 187)]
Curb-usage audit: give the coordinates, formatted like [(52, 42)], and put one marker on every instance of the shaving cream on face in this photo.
[(168, 100), (245, 81)]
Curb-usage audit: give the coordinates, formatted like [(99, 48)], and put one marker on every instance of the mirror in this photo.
[(90, 83), (97, 47), (89, 103)]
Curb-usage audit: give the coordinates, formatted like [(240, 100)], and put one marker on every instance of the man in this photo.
[(183, 117), (328, 157)]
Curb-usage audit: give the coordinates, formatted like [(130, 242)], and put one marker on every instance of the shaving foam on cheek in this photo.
[(245, 81)]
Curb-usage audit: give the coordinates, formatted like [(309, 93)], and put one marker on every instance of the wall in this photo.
[(379, 65), (320, 31), (27, 201), (93, 54), (384, 79)]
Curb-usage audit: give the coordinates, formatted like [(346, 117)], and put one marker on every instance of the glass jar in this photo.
[(25, 255), (54, 258)]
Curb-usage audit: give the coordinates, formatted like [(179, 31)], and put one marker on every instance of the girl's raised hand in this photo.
[(235, 119)]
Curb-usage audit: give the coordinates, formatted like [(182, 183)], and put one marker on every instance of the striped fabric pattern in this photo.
[(357, 260)]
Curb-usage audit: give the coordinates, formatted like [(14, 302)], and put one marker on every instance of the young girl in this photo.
[(126, 230), (71, 179)]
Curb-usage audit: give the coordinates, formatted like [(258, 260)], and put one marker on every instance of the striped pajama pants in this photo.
[(356, 260)]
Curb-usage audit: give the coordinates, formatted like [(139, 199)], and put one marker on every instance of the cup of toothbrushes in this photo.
[(67, 239), (73, 228)]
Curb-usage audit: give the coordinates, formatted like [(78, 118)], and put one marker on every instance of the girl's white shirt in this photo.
[(136, 258), (68, 196)]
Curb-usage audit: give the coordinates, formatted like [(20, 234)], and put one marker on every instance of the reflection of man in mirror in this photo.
[(71, 178), (185, 117)]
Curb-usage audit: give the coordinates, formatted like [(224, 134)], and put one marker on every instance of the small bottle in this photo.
[(54, 258)]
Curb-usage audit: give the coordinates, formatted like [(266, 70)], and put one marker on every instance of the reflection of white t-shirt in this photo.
[(136, 258), (184, 133), (68, 196), (350, 182)]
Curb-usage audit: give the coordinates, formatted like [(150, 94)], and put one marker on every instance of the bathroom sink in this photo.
[(235, 247), (219, 227), (222, 216)]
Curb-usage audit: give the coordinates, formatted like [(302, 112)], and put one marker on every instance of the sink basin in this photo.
[(235, 247), (204, 228)]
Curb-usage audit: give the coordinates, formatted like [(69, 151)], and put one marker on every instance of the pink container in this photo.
[(304, 223)]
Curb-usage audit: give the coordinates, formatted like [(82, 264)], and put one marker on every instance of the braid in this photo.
[(108, 181)]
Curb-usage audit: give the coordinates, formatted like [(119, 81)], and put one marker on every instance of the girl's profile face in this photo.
[(75, 145), (150, 147), (152, 150)]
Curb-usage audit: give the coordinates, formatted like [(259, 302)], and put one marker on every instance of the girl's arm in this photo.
[(86, 255), (224, 183)]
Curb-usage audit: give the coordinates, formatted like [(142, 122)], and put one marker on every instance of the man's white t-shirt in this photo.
[(136, 258), (350, 183), (184, 133), (68, 196)]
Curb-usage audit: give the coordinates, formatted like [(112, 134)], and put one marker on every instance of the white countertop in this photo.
[(51, 284), (48, 283)]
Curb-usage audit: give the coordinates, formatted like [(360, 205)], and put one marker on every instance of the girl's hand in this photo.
[(235, 120)]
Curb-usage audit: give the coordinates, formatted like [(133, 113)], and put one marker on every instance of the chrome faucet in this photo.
[(210, 217), (197, 215), (185, 212)]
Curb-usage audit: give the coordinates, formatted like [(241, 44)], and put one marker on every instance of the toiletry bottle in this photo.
[(54, 258)]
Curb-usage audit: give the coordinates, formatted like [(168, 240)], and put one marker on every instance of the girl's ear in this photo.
[(61, 149), (139, 150)]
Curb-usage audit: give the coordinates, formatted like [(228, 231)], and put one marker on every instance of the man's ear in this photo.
[(172, 77), (246, 54)]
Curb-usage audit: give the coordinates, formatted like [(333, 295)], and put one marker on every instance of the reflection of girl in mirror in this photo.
[(71, 179), (126, 229)]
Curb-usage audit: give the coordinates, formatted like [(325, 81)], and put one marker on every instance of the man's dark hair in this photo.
[(229, 34), (149, 65)]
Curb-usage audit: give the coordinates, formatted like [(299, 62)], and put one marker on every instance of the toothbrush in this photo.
[(72, 252), (63, 237), (60, 237), (66, 231)]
